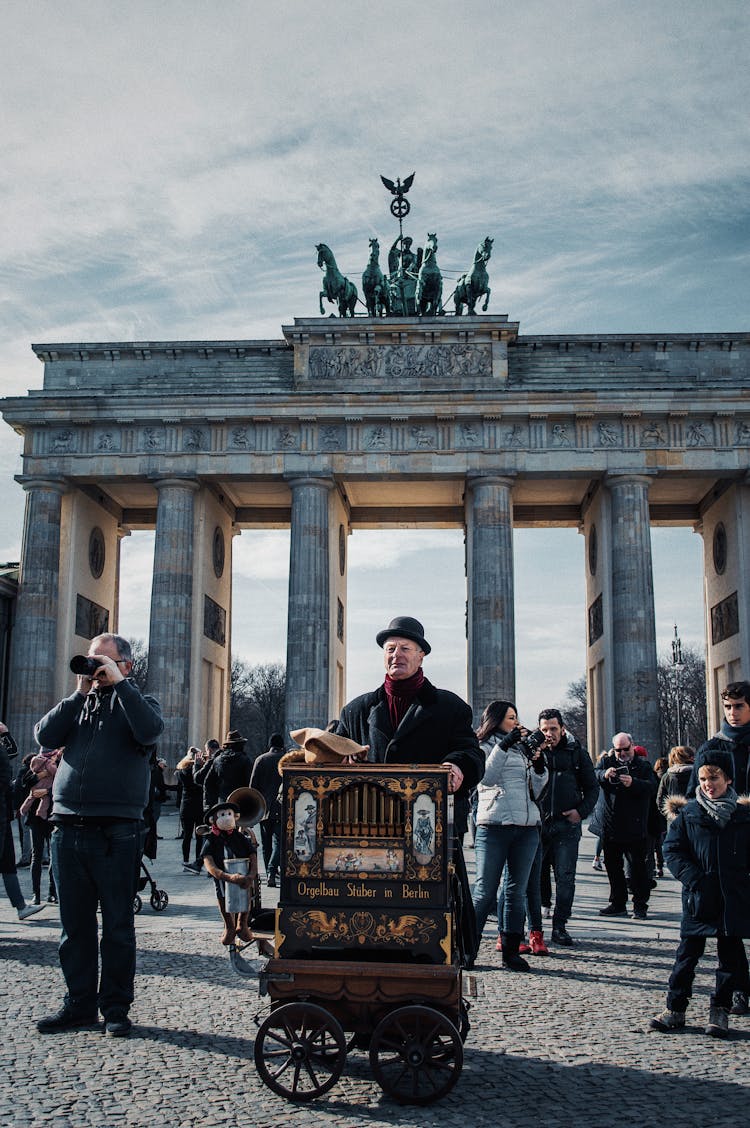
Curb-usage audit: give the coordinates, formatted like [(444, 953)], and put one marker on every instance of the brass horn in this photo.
[(251, 803)]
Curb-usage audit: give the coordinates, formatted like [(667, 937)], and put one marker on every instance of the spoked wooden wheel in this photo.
[(416, 1055), (300, 1051)]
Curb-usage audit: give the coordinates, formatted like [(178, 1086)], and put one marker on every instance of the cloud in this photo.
[(168, 168)]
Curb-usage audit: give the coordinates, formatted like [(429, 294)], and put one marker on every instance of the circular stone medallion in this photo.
[(218, 552), (97, 552), (720, 549)]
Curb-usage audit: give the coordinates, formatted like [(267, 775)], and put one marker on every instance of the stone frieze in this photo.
[(506, 432)]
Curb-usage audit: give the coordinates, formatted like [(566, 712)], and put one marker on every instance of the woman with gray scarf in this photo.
[(708, 849)]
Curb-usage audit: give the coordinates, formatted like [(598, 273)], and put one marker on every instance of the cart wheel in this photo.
[(300, 1051), (464, 1026), (159, 900), (416, 1055), (137, 904)]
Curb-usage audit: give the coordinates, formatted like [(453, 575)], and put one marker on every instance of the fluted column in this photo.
[(309, 623), (489, 574), (636, 699), (170, 635), (34, 644)]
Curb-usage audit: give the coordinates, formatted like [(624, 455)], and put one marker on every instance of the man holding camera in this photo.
[(107, 728), (628, 785), (569, 798)]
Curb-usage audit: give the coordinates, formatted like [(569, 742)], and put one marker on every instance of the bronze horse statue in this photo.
[(429, 292), (475, 282), (336, 288), (374, 284)]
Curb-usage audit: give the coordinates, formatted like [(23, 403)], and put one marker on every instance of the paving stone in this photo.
[(568, 1042)]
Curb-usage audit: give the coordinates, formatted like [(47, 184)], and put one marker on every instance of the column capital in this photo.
[(167, 482), (499, 478), (642, 477), (322, 481), (30, 482)]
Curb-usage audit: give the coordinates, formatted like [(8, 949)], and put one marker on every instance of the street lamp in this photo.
[(677, 666)]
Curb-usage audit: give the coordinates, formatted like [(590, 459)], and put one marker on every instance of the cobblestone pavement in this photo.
[(566, 1044)]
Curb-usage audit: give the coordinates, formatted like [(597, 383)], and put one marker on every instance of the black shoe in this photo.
[(613, 910), (640, 914), (739, 1003), (271, 883), (37, 898), (51, 898), (562, 937), (117, 1025), (67, 1018)]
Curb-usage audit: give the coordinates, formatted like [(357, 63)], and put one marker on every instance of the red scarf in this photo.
[(400, 694)]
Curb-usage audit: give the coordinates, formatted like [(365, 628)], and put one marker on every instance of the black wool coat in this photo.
[(713, 864), (437, 729), (622, 813)]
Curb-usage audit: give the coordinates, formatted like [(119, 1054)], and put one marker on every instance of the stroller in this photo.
[(159, 898)]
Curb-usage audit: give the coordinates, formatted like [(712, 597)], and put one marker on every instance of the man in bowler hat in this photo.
[(406, 720)]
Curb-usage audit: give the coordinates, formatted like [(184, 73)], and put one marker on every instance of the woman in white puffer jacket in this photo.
[(508, 822)]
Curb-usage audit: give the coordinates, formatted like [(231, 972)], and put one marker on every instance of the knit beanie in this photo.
[(718, 758)]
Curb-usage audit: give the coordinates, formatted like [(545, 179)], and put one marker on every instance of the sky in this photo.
[(169, 166)]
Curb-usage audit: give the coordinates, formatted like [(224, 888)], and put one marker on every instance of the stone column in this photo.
[(308, 634), (169, 644), (489, 573), (34, 642), (636, 700)]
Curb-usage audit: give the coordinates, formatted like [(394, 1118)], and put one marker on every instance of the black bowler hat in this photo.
[(403, 626)]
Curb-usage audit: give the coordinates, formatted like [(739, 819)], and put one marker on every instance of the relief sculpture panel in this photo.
[(366, 363)]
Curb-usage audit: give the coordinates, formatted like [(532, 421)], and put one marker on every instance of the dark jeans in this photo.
[(560, 841), (493, 847), (189, 820), (731, 972), (40, 834), (97, 866), (270, 841), (636, 853)]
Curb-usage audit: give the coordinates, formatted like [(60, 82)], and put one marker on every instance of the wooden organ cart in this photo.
[(366, 934)]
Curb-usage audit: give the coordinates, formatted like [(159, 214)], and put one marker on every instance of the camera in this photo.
[(84, 666), (531, 742), (622, 770)]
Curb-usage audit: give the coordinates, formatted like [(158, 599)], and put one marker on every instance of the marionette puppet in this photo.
[(225, 848)]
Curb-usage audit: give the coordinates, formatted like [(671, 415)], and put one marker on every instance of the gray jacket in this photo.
[(105, 769), (507, 786)]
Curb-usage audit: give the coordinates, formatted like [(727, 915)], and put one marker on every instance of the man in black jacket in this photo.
[(229, 769), (570, 797), (732, 737), (266, 780), (628, 787), (406, 720)]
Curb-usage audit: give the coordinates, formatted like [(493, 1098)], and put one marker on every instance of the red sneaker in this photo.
[(537, 945), (524, 948)]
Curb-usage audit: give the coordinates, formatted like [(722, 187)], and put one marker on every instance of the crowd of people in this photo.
[(527, 794)]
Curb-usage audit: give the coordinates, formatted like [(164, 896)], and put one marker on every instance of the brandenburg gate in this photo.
[(368, 422)]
